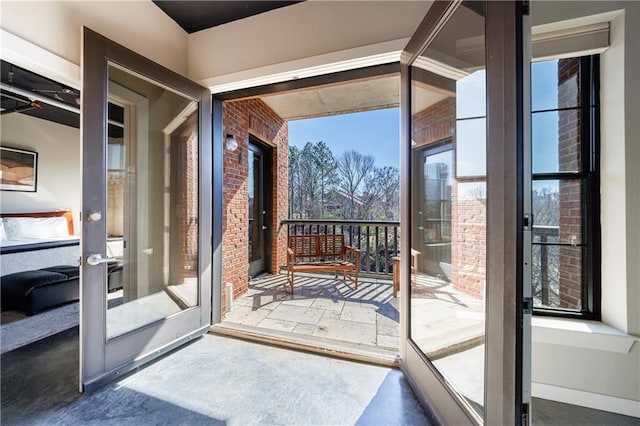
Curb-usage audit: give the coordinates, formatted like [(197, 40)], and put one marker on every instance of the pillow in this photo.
[(18, 228)]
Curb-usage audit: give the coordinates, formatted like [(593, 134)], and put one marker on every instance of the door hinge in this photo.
[(526, 415), (526, 7), (527, 305)]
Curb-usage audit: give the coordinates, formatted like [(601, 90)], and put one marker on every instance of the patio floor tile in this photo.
[(387, 326), (280, 325), (358, 314), (349, 331), (299, 314), (298, 302), (307, 329), (246, 316), (328, 304), (387, 341)]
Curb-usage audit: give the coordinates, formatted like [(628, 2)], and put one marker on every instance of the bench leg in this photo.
[(352, 278), (290, 279)]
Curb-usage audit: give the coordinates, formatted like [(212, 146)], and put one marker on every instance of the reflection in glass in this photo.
[(152, 203), (255, 205), (555, 140), (554, 77), (471, 140), (448, 205)]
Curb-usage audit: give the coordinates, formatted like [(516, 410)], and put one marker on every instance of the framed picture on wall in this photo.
[(19, 169)]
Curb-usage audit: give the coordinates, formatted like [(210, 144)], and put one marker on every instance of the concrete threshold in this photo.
[(316, 345)]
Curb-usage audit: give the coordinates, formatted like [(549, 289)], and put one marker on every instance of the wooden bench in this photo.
[(321, 253)]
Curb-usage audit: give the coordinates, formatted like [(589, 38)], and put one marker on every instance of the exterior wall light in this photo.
[(230, 143)]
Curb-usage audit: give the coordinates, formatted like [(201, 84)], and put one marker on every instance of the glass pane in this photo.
[(556, 276), (152, 203), (471, 140), (557, 211), (255, 205), (555, 84), (448, 226), (556, 141)]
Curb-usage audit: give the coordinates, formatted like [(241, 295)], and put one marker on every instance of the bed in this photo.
[(38, 258), (30, 241)]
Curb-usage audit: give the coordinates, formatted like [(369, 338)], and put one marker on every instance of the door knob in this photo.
[(264, 227), (97, 259)]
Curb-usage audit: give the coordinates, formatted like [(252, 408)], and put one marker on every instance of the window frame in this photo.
[(589, 176)]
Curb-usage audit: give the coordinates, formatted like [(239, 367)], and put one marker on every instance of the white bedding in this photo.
[(26, 241), (29, 243)]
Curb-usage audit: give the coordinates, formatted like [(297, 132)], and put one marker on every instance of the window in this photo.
[(565, 187)]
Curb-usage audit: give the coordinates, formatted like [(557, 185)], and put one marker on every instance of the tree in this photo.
[(353, 169), (309, 180), (294, 181), (326, 164)]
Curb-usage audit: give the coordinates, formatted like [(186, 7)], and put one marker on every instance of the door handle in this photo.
[(97, 259)]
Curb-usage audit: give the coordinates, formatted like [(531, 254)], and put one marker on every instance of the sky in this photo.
[(375, 133)]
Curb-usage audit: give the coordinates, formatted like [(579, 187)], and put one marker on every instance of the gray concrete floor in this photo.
[(214, 380), (218, 380)]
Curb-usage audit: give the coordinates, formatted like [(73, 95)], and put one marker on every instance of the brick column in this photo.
[(242, 118)]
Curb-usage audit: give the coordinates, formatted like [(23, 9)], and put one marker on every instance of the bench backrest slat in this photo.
[(317, 245)]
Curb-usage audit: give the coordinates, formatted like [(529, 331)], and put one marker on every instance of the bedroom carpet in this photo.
[(25, 330)]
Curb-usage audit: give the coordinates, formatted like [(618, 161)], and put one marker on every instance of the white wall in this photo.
[(578, 369), (58, 149), (56, 27)]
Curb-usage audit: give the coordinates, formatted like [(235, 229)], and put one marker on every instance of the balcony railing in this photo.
[(545, 239), (377, 240)]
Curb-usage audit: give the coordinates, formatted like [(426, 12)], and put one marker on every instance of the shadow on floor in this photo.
[(40, 379), (394, 390)]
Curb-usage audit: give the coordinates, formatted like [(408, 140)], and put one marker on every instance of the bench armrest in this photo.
[(352, 249), (291, 256), (356, 255)]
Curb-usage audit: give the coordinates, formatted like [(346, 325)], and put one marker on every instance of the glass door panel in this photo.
[(464, 112), (152, 204), (447, 291)]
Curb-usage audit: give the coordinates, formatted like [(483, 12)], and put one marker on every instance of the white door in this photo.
[(463, 109), (146, 214)]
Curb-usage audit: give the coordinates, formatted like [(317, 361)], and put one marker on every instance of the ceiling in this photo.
[(199, 15), (354, 96), (25, 92), (28, 93), (31, 94)]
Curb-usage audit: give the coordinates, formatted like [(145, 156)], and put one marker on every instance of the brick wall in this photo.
[(468, 211), (570, 214), (434, 124), (242, 118)]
